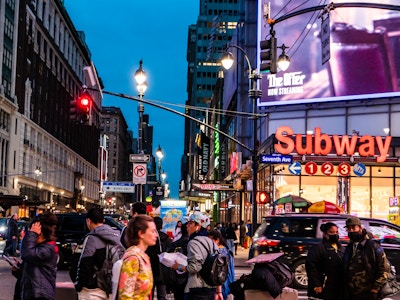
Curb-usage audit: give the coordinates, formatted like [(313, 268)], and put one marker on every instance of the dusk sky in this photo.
[(119, 34)]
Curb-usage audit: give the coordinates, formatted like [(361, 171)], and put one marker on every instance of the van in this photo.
[(294, 234)]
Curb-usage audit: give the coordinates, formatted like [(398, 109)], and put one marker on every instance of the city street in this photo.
[(8, 281)]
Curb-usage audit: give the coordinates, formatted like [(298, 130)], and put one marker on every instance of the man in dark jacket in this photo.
[(12, 236), (93, 255), (137, 208), (365, 263), (162, 244)]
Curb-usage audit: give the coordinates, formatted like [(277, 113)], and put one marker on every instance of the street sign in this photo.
[(275, 159), (325, 39), (139, 157), (344, 169), (139, 173), (327, 168), (295, 168), (359, 169), (119, 187), (311, 168)]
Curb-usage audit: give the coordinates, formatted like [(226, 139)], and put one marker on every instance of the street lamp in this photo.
[(38, 172), (163, 176), (254, 94), (141, 86), (160, 155)]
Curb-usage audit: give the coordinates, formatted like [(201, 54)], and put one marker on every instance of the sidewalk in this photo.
[(241, 258)]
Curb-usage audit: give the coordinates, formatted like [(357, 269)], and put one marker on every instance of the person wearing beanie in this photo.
[(365, 263)]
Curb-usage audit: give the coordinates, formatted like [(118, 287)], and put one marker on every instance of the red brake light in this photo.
[(267, 243)]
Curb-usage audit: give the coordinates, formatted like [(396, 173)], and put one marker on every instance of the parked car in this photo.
[(3, 228), (71, 231), (294, 234)]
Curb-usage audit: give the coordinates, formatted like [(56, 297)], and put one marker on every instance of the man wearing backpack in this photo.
[(199, 248), (365, 264), (91, 281)]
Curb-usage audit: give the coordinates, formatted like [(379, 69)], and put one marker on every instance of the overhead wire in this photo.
[(231, 113), (305, 32)]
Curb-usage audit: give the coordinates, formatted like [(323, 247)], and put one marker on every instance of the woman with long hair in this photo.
[(178, 231), (39, 254), (217, 237), (324, 266), (136, 277)]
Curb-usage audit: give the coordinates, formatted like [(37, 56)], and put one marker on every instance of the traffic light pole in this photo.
[(254, 94)]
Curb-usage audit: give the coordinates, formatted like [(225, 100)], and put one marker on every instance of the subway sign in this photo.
[(324, 144)]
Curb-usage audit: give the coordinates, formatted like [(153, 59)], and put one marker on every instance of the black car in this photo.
[(294, 234), (71, 231)]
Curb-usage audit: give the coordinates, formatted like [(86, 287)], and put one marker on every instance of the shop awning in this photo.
[(6, 201)]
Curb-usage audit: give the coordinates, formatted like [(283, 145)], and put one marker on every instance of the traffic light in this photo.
[(268, 53), (262, 197), (73, 113), (83, 105)]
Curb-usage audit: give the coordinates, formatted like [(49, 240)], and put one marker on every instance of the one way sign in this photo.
[(139, 173)]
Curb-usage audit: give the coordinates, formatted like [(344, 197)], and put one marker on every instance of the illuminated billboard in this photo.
[(360, 60)]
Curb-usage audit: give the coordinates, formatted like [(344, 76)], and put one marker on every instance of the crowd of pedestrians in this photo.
[(359, 271)]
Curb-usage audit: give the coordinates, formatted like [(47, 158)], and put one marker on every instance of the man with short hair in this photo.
[(365, 263), (12, 236), (93, 256), (137, 208)]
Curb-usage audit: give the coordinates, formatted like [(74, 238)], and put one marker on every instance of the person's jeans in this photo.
[(230, 245), (12, 247), (161, 292)]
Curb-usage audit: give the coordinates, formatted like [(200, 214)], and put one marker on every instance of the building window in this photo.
[(7, 86), (8, 28), (7, 58)]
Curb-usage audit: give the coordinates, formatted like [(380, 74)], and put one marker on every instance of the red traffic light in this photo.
[(84, 101), (262, 197)]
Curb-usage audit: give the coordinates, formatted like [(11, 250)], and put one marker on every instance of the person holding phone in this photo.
[(39, 254)]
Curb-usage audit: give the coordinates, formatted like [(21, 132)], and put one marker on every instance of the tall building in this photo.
[(48, 159), (332, 116), (119, 147), (207, 40)]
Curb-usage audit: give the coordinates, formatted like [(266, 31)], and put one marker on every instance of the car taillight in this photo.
[(267, 243), (389, 237)]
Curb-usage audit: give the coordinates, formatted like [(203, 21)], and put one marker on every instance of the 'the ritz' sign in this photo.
[(323, 144)]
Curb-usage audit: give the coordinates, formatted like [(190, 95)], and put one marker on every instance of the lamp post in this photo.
[(38, 172), (160, 155), (141, 86), (163, 176), (254, 94)]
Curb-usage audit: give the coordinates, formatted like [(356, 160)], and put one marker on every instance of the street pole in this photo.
[(141, 85), (254, 94)]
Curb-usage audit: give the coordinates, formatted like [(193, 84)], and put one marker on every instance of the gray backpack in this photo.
[(104, 274)]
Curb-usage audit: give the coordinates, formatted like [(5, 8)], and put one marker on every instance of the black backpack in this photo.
[(104, 274), (282, 273), (215, 268)]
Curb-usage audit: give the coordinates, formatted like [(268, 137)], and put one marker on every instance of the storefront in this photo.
[(358, 173)]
